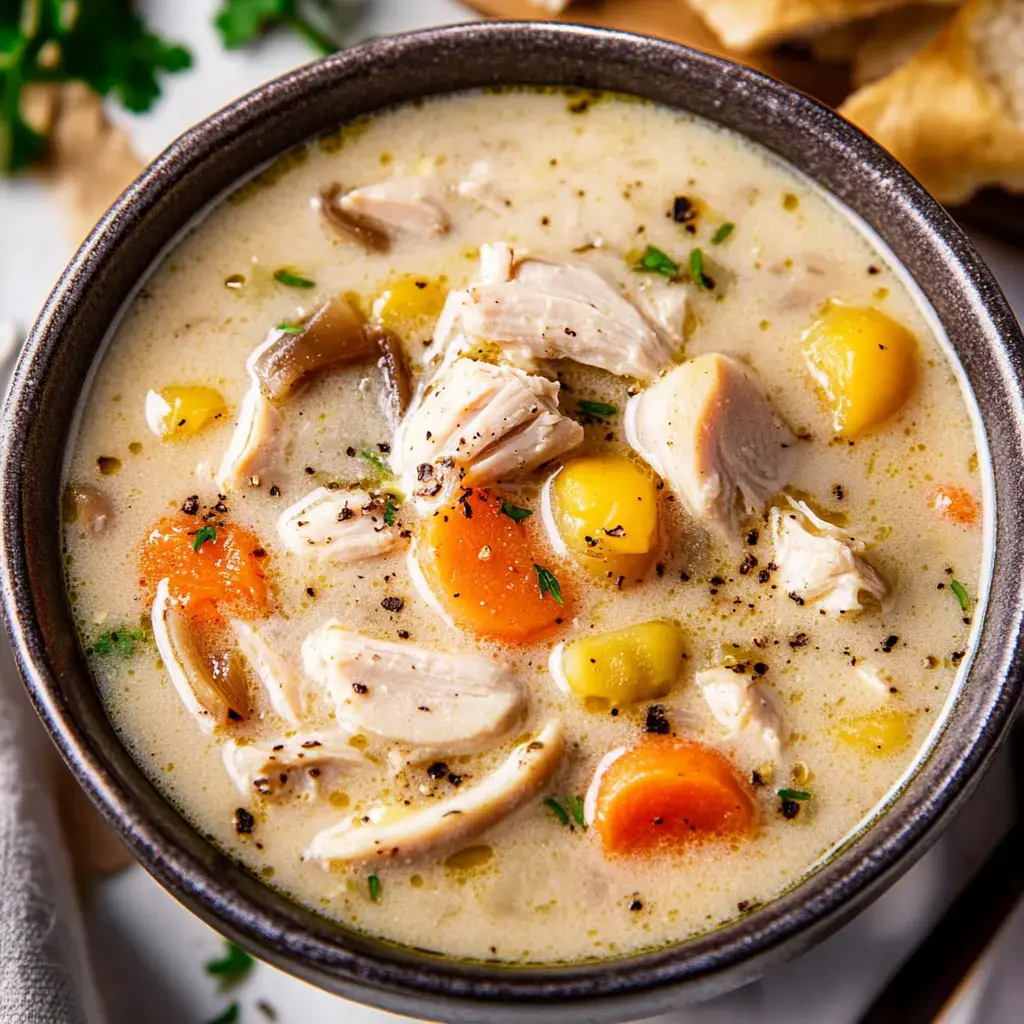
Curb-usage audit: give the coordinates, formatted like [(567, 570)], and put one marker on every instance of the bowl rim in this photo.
[(416, 982)]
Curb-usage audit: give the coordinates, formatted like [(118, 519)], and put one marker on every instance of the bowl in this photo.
[(213, 157)]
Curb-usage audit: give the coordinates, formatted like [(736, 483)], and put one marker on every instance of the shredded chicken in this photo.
[(457, 703), (340, 526), (478, 423), (819, 563), (305, 761), (281, 683), (742, 705), (447, 823), (707, 428), (400, 205)]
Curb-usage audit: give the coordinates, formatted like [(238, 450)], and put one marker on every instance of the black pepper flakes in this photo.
[(275, 491), (438, 770), (244, 822), (392, 604), (798, 640), (838, 492), (360, 688), (191, 505), (790, 809), (656, 721), (753, 537), (749, 562), (890, 642), (635, 905)]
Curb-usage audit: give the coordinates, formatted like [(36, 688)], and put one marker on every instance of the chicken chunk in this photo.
[(455, 703), (289, 764), (478, 423), (281, 683), (444, 824), (741, 705), (339, 526), (708, 430), (821, 564), (399, 205), (257, 443)]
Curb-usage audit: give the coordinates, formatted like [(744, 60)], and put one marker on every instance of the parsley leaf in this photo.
[(558, 809), (961, 594), (373, 883), (515, 512), (724, 231), (548, 583), (389, 512), (229, 1016), (656, 262), (292, 280), (207, 533), (596, 408), (697, 275), (232, 968), (121, 642), (241, 22), (575, 805), (793, 794), (379, 464), (288, 328)]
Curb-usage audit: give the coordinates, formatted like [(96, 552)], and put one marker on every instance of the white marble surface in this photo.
[(149, 951)]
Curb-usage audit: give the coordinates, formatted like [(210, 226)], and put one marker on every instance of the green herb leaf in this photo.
[(961, 594), (654, 261), (793, 794), (724, 231), (205, 534), (548, 583), (558, 809), (229, 1016), (373, 883), (697, 275), (515, 512), (240, 22), (232, 968), (292, 280), (122, 642), (596, 408), (389, 512), (288, 328), (379, 464), (575, 805)]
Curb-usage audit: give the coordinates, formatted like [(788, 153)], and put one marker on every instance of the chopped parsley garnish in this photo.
[(515, 512), (654, 261), (548, 583), (557, 809), (373, 884), (232, 968), (379, 464), (575, 805), (697, 275), (288, 328), (240, 22), (723, 232), (285, 276), (205, 534), (596, 408), (389, 512), (793, 794), (961, 594), (121, 642), (229, 1016)]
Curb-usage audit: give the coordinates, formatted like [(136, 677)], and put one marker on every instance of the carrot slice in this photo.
[(486, 570), (955, 504), (666, 792), (222, 578)]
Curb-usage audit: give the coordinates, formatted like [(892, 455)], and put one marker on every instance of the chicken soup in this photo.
[(529, 526)]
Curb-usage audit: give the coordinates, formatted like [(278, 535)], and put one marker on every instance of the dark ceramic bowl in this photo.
[(215, 155)]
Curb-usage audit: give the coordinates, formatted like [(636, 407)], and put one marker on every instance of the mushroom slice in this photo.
[(458, 703), (86, 505), (399, 205), (745, 706), (335, 335), (819, 563), (256, 445), (478, 423), (444, 824), (282, 684), (303, 761), (350, 225), (394, 370), (213, 694), (343, 526), (708, 430)]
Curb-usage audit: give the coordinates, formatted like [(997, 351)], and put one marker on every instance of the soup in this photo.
[(530, 526)]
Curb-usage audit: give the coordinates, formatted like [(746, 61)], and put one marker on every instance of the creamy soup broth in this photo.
[(576, 180)]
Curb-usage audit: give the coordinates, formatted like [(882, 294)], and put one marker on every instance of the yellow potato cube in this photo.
[(626, 665), (606, 512), (880, 733), (183, 411), (865, 364), (409, 304)]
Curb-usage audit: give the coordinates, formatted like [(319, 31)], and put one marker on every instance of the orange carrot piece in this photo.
[(955, 504), (481, 567), (666, 792), (223, 578)]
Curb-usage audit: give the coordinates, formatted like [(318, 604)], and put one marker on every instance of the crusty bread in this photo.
[(954, 114), (745, 25), (893, 38)]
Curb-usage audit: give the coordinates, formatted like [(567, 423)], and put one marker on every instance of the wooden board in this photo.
[(673, 19)]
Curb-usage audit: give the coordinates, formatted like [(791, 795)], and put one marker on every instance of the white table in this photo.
[(149, 952)]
